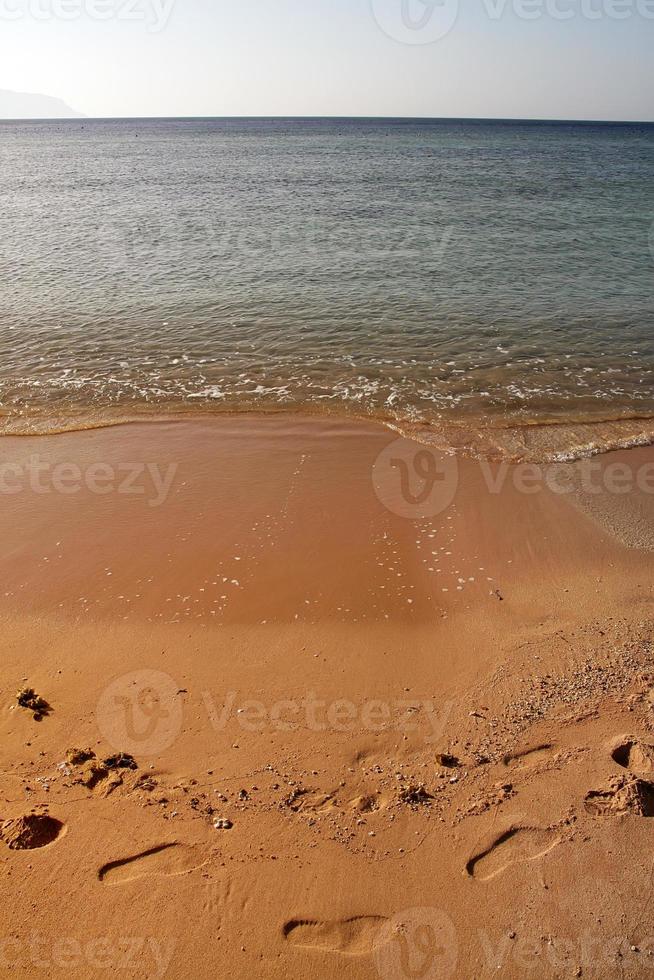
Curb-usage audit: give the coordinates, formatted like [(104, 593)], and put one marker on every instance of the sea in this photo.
[(485, 286)]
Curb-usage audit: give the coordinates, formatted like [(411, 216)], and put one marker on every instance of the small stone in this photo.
[(28, 698), (123, 760)]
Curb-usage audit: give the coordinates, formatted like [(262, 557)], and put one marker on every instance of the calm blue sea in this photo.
[(419, 272)]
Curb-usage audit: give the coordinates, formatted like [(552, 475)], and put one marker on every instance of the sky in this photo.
[(564, 59)]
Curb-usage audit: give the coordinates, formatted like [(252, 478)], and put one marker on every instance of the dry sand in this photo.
[(391, 714)]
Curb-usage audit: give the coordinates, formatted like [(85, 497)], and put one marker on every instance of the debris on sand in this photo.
[(146, 783), (500, 794), (89, 772), (622, 795), (415, 795), (294, 799), (123, 760), (30, 832), (77, 757), (28, 698)]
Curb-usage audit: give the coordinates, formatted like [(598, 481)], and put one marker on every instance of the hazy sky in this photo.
[(534, 58)]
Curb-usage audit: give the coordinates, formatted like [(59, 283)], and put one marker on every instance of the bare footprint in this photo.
[(164, 860), (514, 846), (354, 937), (528, 757)]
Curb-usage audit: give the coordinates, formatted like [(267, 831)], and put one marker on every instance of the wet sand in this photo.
[(391, 713)]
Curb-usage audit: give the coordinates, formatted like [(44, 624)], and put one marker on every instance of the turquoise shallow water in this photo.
[(426, 273)]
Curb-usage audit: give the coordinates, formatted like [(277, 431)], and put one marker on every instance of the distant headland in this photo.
[(25, 105)]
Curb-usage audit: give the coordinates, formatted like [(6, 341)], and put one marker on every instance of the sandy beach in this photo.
[(320, 702)]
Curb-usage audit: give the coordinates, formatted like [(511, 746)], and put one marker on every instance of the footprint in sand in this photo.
[(418, 943), (514, 846), (32, 831), (354, 937), (622, 795), (164, 860), (526, 758), (633, 754)]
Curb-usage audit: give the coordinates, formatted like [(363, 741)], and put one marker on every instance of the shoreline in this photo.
[(511, 439), (355, 707), (255, 487)]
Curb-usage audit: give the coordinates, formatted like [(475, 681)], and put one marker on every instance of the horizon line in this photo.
[(380, 118)]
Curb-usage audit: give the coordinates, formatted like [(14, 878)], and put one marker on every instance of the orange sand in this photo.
[(391, 688)]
